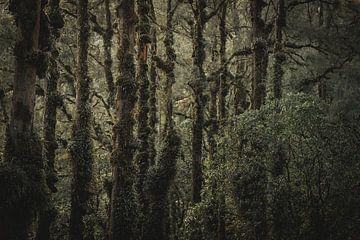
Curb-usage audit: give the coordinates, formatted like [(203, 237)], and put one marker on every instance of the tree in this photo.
[(260, 32), (23, 174), (143, 130), (122, 214), (52, 102), (81, 147)]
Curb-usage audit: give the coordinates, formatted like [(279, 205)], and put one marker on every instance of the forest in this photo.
[(180, 119)]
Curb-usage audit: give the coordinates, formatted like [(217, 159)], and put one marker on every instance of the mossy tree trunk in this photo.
[(82, 193), (123, 209), (22, 177), (224, 88), (107, 38), (162, 173), (143, 130), (240, 96), (260, 53), (198, 85), (280, 56), (152, 89), (52, 102)]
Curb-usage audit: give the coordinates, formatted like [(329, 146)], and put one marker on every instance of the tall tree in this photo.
[(223, 75), (81, 148), (162, 173), (152, 88), (52, 102), (198, 85), (260, 53), (22, 178), (279, 52), (122, 214), (143, 130)]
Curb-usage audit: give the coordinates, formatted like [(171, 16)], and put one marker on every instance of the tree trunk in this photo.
[(224, 88), (143, 130), (198, 86), (260, 55), (107, 37), (279, 53), (152, 90), (123, 211), (240, 96), (162, 174), (23, 171), (81, 148), (52, 101)]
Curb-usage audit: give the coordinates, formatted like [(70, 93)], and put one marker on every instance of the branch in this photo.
[(324, 75), (308, 45), (215, 11), (242, 52), (162, 65)]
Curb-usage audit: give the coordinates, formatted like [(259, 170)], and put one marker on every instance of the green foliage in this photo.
[(304, 190)]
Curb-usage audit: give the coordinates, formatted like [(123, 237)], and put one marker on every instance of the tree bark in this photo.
[(224, 88), (52, 102), (260, 55), (279, 52), (198, 85), (152, 89), (122, 215), (81, 226), (162, 173), (143, 130), (107, 38), (23, 171)]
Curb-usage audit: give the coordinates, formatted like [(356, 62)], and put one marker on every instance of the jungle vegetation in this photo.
[(180, 119)]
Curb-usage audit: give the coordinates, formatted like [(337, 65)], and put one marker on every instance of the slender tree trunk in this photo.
[(52, 102), (123, 209), (240, 97), (279, 53), (81, 148), (143, 130), (224, 88), (22, 178), (198, 85), (260, 55), (161, 175), (107, 38), (152, 89)]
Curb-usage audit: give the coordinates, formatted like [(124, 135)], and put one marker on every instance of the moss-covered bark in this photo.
[(198, 84), (23, 191), (279, 52), (240, 97), (123, 209), (159, 181), (152, 88), (162, 173), (224, 88), (143, 130), (107, 38), (81, 146), (260, 53), (52, 101)]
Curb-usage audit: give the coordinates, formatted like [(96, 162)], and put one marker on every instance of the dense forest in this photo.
[(180, 119)]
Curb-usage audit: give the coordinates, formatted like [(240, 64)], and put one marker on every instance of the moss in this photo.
[(158, 183)]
